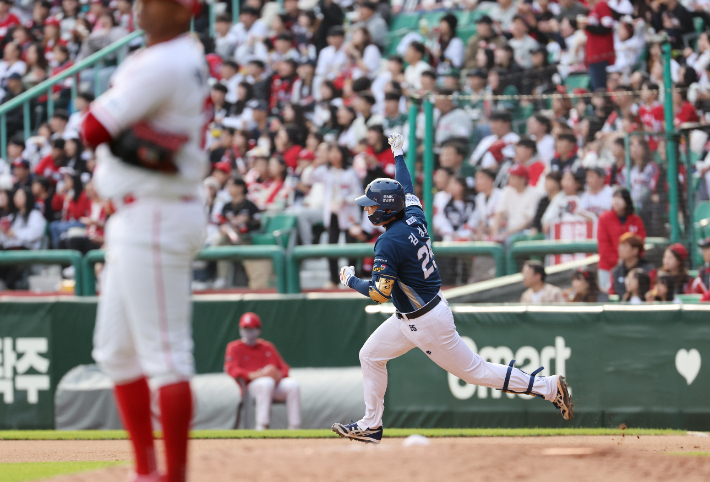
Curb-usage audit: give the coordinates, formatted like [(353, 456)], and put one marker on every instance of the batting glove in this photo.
[(346, 272), (396, 143)]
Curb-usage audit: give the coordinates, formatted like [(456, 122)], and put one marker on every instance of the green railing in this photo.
[(543, 248), (276, 253), (364, 250), (46, 87), (41, 256)]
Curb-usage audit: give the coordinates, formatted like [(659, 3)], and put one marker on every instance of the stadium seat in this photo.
[(405, 21), (466, 32), (702, 211), (279, 229), (521, 118), (699, 24), (577, 81)]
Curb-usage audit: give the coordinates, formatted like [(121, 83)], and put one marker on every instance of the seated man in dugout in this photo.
[(260, 365)]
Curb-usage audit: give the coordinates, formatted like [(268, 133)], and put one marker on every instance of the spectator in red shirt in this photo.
[(7, 19), (685, 111), (378, 148), (49, 165), (260, 365), (289, 144), (611, 225), (599, 54), (72, 202)]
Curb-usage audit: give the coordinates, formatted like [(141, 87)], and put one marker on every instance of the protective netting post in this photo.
[(670, 143), (412, 148), (428, 161)]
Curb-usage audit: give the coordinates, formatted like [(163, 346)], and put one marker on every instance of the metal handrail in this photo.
[(45, 88), (276, 253), (365, 250), (53, 256)]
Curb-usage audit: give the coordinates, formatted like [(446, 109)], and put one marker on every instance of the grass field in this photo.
[(21, 472), (285, 434)]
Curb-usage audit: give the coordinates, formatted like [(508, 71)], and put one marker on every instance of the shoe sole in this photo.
[(566, 399), (354, 437)]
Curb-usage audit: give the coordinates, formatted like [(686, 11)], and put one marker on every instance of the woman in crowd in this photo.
[(553, 188), (303, 94), (23, 229), (498, 85), (340, 212), (346, 127), (611, 225), (448, 49), (245, 93), (675, 259), (644, 178), (289, 144), (378, 148), (638, 283), (71, 200), (585, 288), (326, 110), (37, 66), (94, 222), (485, 59), (564, 207), (73, 150), (12, 63), (664, 290), (364, 55), (276, 195)]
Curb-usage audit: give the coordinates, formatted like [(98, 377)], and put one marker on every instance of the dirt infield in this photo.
[(578, 458)]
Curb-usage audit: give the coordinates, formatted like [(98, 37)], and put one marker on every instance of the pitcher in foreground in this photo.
[(147, 130), (405, 272)]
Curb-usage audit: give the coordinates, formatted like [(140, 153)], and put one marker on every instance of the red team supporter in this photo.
[(152, 172), (599, 52), (7, 19), (260, 365), (611, 225)]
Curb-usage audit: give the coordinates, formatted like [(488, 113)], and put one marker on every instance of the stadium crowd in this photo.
[(304, 94)]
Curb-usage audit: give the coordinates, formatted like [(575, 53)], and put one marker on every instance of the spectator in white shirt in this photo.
[(363, 55), (223, 43), (453, 121), (363, 104), (332, 60), (373, 21), (539, 128), (486, 203), (522, 43), (516, 207), (26, 226), (248, 32), (499, 145), (412, 74), (12, 62), (231, 79), (503, 12), (448, 50), (596, 199)]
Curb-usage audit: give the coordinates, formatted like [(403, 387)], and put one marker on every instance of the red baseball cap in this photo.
[(223, 166), (679, 250), (306, 155), (520, 171), (250, 320), (52, 21)]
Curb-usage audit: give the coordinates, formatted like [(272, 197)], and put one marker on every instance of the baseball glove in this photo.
[(143, 146)]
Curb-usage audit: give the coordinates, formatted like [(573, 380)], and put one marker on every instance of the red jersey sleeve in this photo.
[(279, 362), (231, 362), (57, 202)]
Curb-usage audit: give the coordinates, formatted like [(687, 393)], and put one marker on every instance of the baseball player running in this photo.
[(405, 272), (146, 129)]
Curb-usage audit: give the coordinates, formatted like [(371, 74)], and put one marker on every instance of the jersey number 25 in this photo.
[(427, 254)]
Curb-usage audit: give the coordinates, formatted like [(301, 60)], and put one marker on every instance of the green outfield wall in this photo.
[(640, 366)]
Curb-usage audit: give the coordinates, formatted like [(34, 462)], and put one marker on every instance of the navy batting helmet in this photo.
[(387, 195)]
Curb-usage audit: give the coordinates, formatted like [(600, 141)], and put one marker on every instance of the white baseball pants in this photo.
[(435, 334), (264, 390), (143, 324)]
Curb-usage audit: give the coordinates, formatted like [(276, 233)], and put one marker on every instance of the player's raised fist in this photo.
[(346, 272), (396, 142)]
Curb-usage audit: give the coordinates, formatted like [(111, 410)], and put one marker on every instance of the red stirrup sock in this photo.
[(134, 406), (175, 416)]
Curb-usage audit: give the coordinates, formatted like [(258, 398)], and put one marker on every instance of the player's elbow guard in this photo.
[(381, 289)]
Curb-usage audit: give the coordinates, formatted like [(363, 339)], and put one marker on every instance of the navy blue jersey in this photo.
[(403, 253)]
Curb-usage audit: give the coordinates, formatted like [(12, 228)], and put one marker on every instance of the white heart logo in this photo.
[(687, 362)]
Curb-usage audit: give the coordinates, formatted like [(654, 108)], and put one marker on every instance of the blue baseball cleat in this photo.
[(563, 401), (353, 432)]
